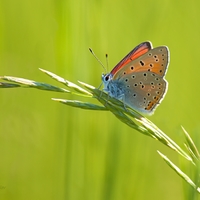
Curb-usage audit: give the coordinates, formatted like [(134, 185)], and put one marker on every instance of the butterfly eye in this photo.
[(107, 78)]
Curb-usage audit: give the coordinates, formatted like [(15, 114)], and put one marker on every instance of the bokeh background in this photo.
[(51, 151)]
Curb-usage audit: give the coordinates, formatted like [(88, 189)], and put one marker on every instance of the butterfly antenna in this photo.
[(106, 62), (97, 59)]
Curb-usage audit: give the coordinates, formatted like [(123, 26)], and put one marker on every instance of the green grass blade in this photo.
[(179, 172), (162, 137), (68, 83), (191, 146), (33, 84), (117, 107), (79, 104), (150, 128), (9, 85)]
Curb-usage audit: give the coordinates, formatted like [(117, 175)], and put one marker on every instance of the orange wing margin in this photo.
[(135, 53)]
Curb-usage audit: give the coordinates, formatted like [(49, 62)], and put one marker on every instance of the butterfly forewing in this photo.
[(135, 53), (155, 61)]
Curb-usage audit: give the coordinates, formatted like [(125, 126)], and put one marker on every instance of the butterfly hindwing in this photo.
[(143, 93)]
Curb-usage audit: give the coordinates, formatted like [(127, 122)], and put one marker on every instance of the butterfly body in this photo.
[(138, 79)]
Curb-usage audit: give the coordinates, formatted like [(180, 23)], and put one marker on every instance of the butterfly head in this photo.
[(106, 78)]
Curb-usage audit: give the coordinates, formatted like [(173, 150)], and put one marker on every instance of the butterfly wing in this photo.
[(143, 79), (135, 53), (155, 60), (144, 93)]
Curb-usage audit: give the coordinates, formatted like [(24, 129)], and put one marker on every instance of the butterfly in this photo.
[(139, 78)]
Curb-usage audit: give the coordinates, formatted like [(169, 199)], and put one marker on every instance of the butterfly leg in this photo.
[(123, 100), (100, 86), (101, 94)]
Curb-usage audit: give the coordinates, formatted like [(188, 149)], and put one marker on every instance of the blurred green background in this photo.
[(51, 151)]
